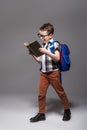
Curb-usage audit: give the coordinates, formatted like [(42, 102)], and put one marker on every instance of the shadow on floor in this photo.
[(54, 105)]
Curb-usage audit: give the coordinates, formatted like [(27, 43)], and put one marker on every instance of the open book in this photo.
[(33, 48)]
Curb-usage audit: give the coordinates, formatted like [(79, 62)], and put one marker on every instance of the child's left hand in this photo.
[(43, 50)]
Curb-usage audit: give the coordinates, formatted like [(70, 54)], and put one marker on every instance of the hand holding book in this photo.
[(43, 50)]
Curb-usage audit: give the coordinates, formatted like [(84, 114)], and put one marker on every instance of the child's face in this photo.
[(44, 36)]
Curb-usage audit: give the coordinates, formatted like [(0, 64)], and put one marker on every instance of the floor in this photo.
[(16, 109)]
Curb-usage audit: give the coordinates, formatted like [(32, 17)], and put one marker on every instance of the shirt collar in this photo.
[(51, 40)]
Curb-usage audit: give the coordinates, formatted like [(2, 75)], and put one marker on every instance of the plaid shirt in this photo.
[(47, 63)]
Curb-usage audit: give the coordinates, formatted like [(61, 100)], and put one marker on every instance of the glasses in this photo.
[(42, 36)]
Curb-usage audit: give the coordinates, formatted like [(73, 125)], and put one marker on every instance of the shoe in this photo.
[(38, 117), (67, 115)]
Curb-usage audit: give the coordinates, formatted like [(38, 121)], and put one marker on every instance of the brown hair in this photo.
[(47, 27)]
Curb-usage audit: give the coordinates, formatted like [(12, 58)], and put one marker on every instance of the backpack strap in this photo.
[(60, 51)]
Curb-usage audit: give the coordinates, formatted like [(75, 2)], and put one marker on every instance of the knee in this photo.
[(62, 94), (41, 97)]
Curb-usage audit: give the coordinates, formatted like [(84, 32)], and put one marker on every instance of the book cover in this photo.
[(33, 48)]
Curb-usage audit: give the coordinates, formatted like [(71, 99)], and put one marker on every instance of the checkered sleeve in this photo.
[(56, 46)]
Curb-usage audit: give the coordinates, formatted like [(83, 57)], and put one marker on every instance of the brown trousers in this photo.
[(52, 78)]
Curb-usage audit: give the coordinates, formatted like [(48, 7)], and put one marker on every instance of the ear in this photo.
[(51, 35)]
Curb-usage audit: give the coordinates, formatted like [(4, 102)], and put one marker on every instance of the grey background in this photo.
[(19, 73), (20, 21)]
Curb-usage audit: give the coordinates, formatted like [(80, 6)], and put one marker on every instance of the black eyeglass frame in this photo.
[(43, 36)]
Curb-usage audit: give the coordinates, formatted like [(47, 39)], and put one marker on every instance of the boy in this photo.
[(49, 73)]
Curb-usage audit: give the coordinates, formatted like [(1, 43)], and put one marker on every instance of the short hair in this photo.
[(47, 27)]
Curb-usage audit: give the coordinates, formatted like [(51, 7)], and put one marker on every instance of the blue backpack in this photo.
[(65, 62)]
